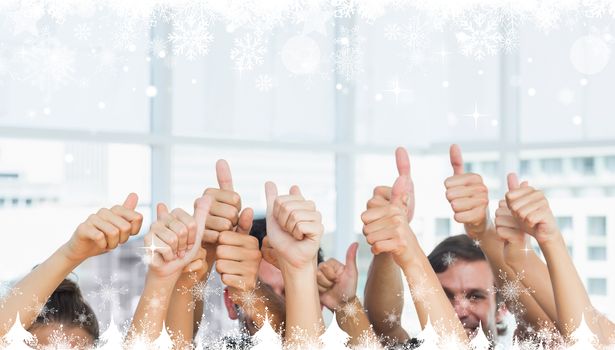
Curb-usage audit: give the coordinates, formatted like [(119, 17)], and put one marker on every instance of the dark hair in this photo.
[(259, 230), (456, 247), (67, 306)]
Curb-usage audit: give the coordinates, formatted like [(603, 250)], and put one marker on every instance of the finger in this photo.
[(237, 253), (162, 248), (509, 234), (135, 219), (225, 211), (471, 216), (271, 193), (112, 233), (351, 257), (181, 232), (456, 192), (324, 283), (386, 246), (96, 235), (311, 230), (513, 181), (161, 211), (403, 161), (210, 236), (201, 210), (195, 265), (117, 221), (297, 216), (383, 192), (244, 224), (532, 197), (234, 281), (131, 201), (328, 270), (530, 207), (456, 159), (389, 217), (376, 202), (512, 196), (506, 221), (502, 204), (230, 267), (399, 192), (465, 204), (224, 196), (382, 234), (223, 174), (525, 184), (237, 239), (165, 235), (294, 190), (463, 180), (190, 223)]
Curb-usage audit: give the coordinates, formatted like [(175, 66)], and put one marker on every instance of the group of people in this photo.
[(274, 271)]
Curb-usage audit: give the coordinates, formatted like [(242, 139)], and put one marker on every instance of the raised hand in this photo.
[(468, 196), (531, 210), (382, 194), (506, 226), (238, 255), (337, 282), (225, 207), (294, 227), (105, 230), (175, 237), (386, 228)]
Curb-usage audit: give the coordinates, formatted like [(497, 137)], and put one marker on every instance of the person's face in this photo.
[(468, 286), (76, 338)]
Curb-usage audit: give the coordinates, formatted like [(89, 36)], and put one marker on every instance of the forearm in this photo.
[(429, 298), (384, 298), (352, 319), (524, 261), (303, 315), (264, 303), (31, 293), (181, 312), (493, 248), (152, 308), (568, 290)]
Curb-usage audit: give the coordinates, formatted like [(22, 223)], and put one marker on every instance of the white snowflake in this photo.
[(391, 318), (344, 8), (421, 291), (479, 36), (449, 259), (108, 292), (41, 308), (348, 58), (59, 340), (413, 35), (392, 32), (82, 32), (47, 65), (83, 318), (264, 83), (125, 37), (511, 289), (190, 38), (248, 51), (350, 311), (204, 291)]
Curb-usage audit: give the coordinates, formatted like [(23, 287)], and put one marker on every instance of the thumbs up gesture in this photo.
[(105, 230), (382, 194), (174, 239), (225, 207), (468, 196), (386, 227), (238, 255), (337, 282), (294, 227), (531, 210)]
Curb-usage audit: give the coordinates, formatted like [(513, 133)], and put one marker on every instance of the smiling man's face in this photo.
[(468, 286)]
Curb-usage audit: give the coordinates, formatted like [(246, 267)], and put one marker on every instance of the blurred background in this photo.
[(99, 99)]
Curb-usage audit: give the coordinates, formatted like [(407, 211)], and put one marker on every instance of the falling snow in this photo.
[(190, 38), (248, 51)]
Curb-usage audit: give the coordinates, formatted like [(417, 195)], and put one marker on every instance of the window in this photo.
[(583, 165), (552, 166), (596, 253), (489, 168), (565, 224), (525, 167), (597, 286), (596, 226), (609, 163)]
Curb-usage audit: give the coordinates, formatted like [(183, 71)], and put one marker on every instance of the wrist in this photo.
[(551, 240), (64, 253), (161, 279)]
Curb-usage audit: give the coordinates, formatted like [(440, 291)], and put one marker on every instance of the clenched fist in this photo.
[(294, 227), (468, 196), (225, 206), (238, 255), (337, 283), (530, 208), (105, 230)]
